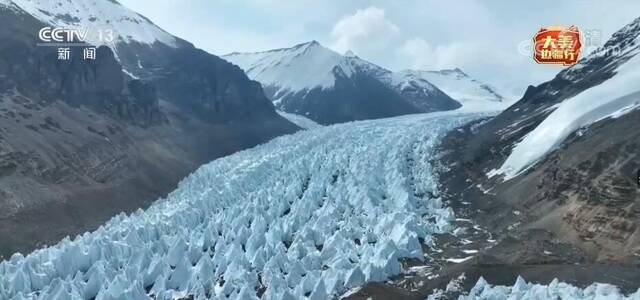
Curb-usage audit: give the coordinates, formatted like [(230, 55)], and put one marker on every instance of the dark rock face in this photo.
[(359, 97), (212, 87), (81, 141), (427, 101), (197, 81), (100, 84)]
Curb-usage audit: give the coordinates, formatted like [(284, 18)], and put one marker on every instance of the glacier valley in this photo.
[(311, 214)]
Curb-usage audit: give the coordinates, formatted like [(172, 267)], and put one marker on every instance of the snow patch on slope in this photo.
[(612, 98), (471, 93), (300, 121), (555, 290), (97, 15), (314, 213), (409, 79)]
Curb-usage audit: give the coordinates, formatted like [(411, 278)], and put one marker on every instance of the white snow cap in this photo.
[(97, 15), (300, 68), (408, 80)]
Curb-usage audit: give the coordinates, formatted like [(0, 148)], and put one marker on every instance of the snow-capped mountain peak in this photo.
[(312, 80), (302, 67), (103, 18)]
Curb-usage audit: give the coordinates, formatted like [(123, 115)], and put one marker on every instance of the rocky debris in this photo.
[(587, 189)]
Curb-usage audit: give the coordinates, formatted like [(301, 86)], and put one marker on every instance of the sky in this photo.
[(489, 39)]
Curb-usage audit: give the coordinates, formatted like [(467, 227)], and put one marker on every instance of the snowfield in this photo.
[(306, 215), (555, 290), (300, 121), (473, 95)]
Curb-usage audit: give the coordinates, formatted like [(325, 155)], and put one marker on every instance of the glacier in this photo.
[(311, 214), (554, 290)]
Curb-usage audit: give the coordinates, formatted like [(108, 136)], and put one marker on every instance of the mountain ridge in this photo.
[(82, 141), (300, 79)]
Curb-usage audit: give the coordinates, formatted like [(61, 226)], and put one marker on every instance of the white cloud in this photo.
[(363, 31), (422, 55)]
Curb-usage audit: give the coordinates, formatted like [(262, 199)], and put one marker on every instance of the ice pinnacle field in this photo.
[(310, 214)]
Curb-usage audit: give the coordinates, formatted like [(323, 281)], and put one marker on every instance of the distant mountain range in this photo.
[(312, 80)]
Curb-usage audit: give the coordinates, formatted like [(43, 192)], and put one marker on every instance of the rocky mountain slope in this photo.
[(311, 80), (554, 178), (586, 190), (569, 149), (496, 138), (82, 140)]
